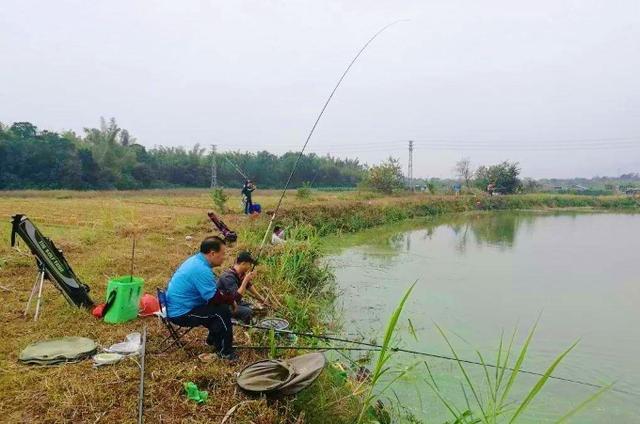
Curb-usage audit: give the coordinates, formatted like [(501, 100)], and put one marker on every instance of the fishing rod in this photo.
[(372, 347), (307, 334), (237, 168), (336, 348), (313, 128)]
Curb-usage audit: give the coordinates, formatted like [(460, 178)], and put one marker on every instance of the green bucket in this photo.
[(127, 291)]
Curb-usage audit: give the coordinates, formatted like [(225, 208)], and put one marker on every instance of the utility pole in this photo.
[(411, 166), (214, 168)]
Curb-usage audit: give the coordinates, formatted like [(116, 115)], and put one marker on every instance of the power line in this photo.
[(481, 142), (436, 146)]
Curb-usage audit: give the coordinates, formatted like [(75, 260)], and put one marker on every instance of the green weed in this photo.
[(491, 398)]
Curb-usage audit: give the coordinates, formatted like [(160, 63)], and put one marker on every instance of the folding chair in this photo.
[(175, 333)]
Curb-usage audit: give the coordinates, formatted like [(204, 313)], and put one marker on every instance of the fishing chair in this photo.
[(176, 332)]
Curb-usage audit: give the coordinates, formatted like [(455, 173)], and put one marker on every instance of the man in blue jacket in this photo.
[(190, 294)]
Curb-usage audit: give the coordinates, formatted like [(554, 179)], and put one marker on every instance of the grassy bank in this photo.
[(358, 214), (94, 230)]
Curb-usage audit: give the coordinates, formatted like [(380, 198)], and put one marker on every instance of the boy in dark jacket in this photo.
[(232, 285)]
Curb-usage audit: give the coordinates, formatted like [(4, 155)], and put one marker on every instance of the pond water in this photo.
[(483, 273)]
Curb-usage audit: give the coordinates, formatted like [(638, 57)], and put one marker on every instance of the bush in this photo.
[(219, 198), (386, 177), (504, 176), (304, 192)]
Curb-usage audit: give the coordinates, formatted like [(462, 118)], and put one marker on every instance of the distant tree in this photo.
[(463, 170), (386, 177), (115, 160), (529, 185), (108, 157), (431, 186), (23, 130), (503, 175), (126, 139)]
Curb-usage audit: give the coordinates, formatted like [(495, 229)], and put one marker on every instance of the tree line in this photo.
[(108, 157)]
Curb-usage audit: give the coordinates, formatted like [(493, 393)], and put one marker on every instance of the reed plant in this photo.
[(380, 368), (490, 400)]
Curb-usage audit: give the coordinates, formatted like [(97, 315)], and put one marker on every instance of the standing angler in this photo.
[(247, 189), (190, 297)]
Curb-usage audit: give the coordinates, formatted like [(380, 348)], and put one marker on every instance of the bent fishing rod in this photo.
[(372, 347), (313, 128)]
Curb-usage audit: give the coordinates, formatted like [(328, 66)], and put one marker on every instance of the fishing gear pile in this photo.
[(228, 234)]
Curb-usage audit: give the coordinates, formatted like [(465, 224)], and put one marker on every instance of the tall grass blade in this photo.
[(454, 411), (433, 380), (504, 365), (518, 364), (464, 372), (412, 330), (398, 377), (385, 351), (541, 382), (584, 403), (499, 355), (487, 376)]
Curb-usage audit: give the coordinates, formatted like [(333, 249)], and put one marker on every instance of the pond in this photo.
[(484, 273)]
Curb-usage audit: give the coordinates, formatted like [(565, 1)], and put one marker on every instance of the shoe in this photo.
[(231, 357)]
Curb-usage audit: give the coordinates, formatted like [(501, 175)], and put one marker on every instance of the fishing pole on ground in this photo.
[(372, 347), (313, 128), (143, 351)]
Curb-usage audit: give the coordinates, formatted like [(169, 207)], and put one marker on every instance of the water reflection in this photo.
[(498, 229), (495, 230)]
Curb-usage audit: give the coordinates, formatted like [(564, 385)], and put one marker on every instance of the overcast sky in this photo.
[(553, 84)]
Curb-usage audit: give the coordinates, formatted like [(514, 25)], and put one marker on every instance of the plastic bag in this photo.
[(131, 345)]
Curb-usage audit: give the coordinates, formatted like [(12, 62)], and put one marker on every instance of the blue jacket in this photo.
[(192, 285)]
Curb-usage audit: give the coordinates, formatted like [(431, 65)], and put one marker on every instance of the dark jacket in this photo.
[(227, 287)]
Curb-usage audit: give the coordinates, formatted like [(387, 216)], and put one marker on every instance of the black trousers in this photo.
[(248, 205), (216, 318)]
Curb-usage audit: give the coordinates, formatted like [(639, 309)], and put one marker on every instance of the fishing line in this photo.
[(372, 347), (313, 128)]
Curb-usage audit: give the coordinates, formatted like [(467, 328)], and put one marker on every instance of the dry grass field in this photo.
[(94, 230)]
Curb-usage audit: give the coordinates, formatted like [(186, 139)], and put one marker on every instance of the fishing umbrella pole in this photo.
[(313, 128)]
